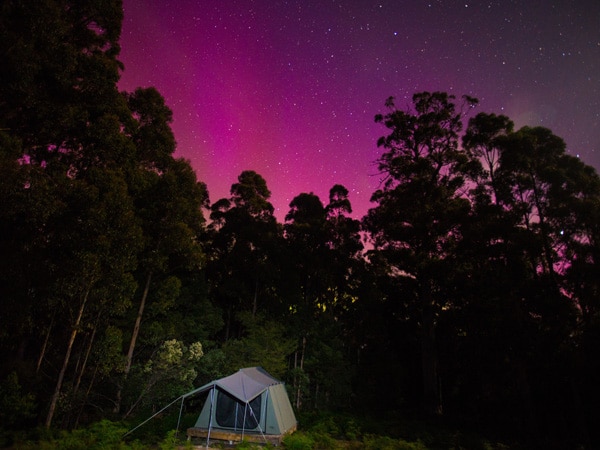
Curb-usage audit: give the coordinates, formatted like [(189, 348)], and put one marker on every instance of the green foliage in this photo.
[(103, 435), (165, 295), (170, 372), (298, 441), (372, 442), (15, 405), (265, 345), (213, 366), (106, 435), (329, 430), (250, 445), (170, 442), (338, 426), (326, 366)]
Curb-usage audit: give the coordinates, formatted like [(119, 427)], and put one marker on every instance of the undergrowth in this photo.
[(321, 431)]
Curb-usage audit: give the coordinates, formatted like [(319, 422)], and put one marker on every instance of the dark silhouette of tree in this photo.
[(172, 222), (480, 281), (244, 238), (82, 163), (96, 242), (416, 224), (324, 251), (519, 241)]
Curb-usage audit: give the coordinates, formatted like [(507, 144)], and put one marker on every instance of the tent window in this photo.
[(230, 412)]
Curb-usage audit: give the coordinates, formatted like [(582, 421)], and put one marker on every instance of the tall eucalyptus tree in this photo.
[(245, 240), (420, 208)]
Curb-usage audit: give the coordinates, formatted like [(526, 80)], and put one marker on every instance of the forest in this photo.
[(469, 294)]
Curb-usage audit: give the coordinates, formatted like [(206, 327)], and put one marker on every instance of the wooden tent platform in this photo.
[(231, 436)]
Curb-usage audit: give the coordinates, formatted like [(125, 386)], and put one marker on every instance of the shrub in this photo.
[(15, 405), (103, 435), (372, 442), (249, 446), (322, 441), (298, 441)]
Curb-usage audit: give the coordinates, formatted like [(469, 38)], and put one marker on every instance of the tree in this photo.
[(169, 207), (244, 242), (344, 242), (57, 84), (307, 240), (530, 207), (170, 371), (482, 140), (97, 241), (32, 201), (344, 231), (15, 406), (266, 344), (97, 206), (416, 224), (59, 72), (553, 192), (324, 259)]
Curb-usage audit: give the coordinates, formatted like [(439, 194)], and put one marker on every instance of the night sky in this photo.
[(290, 88)]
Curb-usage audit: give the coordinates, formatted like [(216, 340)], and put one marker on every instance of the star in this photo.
[(290, 90)]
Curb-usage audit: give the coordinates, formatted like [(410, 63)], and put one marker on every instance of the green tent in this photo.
[(249, 404)]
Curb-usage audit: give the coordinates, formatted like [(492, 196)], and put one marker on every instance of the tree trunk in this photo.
[(85, 360), (45, 344), (299, 384), (432, 402), (228, 324), (85, 398), (136, 402), (138, 322), (134, 335), (255, 299), (63, 370)]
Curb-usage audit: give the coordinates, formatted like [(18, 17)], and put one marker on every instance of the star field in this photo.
[(290, 88)]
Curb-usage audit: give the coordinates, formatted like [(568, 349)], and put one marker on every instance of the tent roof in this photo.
[(245, 385)]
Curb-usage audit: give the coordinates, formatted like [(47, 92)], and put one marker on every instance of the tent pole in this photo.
[(179, 419), (210, 416), (258, 424), (244, 419)]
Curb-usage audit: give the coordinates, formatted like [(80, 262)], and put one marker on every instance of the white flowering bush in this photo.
[(169, 373), (195, 351)]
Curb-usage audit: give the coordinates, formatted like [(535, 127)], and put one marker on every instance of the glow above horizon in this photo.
[(290, 88)]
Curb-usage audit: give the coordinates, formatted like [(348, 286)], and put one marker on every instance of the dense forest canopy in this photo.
[(469, 291)]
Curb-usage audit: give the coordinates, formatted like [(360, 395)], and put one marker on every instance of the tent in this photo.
[(249, 404)]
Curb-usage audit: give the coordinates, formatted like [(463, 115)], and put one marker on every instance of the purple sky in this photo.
[(290, 88)]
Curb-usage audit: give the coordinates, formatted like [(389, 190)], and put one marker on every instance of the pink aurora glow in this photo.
[(290, 88)]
